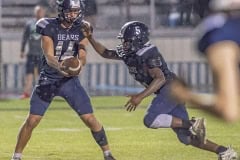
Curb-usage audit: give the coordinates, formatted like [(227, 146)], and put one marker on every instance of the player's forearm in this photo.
[(156, 84), (23, 44), (102, 50), (205, 101), (24, 39), (52, 61), (99, 48), (82, 57)]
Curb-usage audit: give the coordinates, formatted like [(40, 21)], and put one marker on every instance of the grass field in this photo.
[(62, 136)]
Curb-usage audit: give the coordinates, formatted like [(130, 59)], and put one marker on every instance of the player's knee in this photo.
[(32, 121), (148, 120), (90, 121), (155, 121)]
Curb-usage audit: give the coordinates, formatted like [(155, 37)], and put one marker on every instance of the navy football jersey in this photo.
[(147, 58), (217, 28), (66, 43)]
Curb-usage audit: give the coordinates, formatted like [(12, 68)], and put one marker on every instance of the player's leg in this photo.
[(28, 81), (39, 103), (37, 67), (186, 137), (160, 115), (77, 98), (98, 134), (25, 134)]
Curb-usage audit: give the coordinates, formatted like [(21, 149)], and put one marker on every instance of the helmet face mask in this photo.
[(70, 11), (71, 15), (133, 35)]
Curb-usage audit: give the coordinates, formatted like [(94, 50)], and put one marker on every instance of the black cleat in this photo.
[(229, 154), (198, 128)]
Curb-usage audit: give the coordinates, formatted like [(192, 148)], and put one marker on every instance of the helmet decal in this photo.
[(134, 35)]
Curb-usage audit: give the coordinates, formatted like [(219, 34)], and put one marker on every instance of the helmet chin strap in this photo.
[(66, 24)]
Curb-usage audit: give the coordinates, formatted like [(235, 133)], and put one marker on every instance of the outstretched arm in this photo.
[(99, 48), (223, 59)]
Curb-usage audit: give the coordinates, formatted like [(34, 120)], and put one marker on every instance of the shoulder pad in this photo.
[(42, 23), (145, 50)]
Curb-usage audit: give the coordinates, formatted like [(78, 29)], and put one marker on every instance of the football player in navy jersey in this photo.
[(148, 67), (219, 42), (61, 37)]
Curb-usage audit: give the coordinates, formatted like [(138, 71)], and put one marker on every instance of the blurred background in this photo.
[(173, 25)]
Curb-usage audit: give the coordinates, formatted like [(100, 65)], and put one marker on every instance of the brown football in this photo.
[(73, 65)]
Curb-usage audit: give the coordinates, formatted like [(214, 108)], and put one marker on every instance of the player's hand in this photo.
[(62, 69), (87, 29), (180, 91), (133, 102)]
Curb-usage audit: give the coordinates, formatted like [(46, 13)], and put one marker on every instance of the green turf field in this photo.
[(62, 136)]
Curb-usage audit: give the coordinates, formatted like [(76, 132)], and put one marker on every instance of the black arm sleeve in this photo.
[(111, 54)]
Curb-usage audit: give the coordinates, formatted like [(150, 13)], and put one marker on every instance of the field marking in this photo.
[(86, 129), (19, 117)]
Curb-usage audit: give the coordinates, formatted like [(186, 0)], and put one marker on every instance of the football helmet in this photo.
[(70, 10), (134, 35)]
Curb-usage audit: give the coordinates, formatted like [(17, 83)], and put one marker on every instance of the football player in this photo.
[(61, 38), (219, 42), (147, 66), (33, 59)]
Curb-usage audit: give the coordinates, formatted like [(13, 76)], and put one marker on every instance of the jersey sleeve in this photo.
[(211, 31), (213, 37), (44, 28), (153, 59)]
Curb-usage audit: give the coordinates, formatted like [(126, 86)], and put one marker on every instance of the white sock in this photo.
[(17, 155), (107, 153)]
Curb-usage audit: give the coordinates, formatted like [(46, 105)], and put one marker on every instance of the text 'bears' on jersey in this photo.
[(66, 41)]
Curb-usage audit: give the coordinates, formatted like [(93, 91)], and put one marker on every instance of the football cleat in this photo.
[(229, 154), (109, 157), (24, 96), (198, 129)]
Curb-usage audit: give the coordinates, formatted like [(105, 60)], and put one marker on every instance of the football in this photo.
[(73, 65)]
